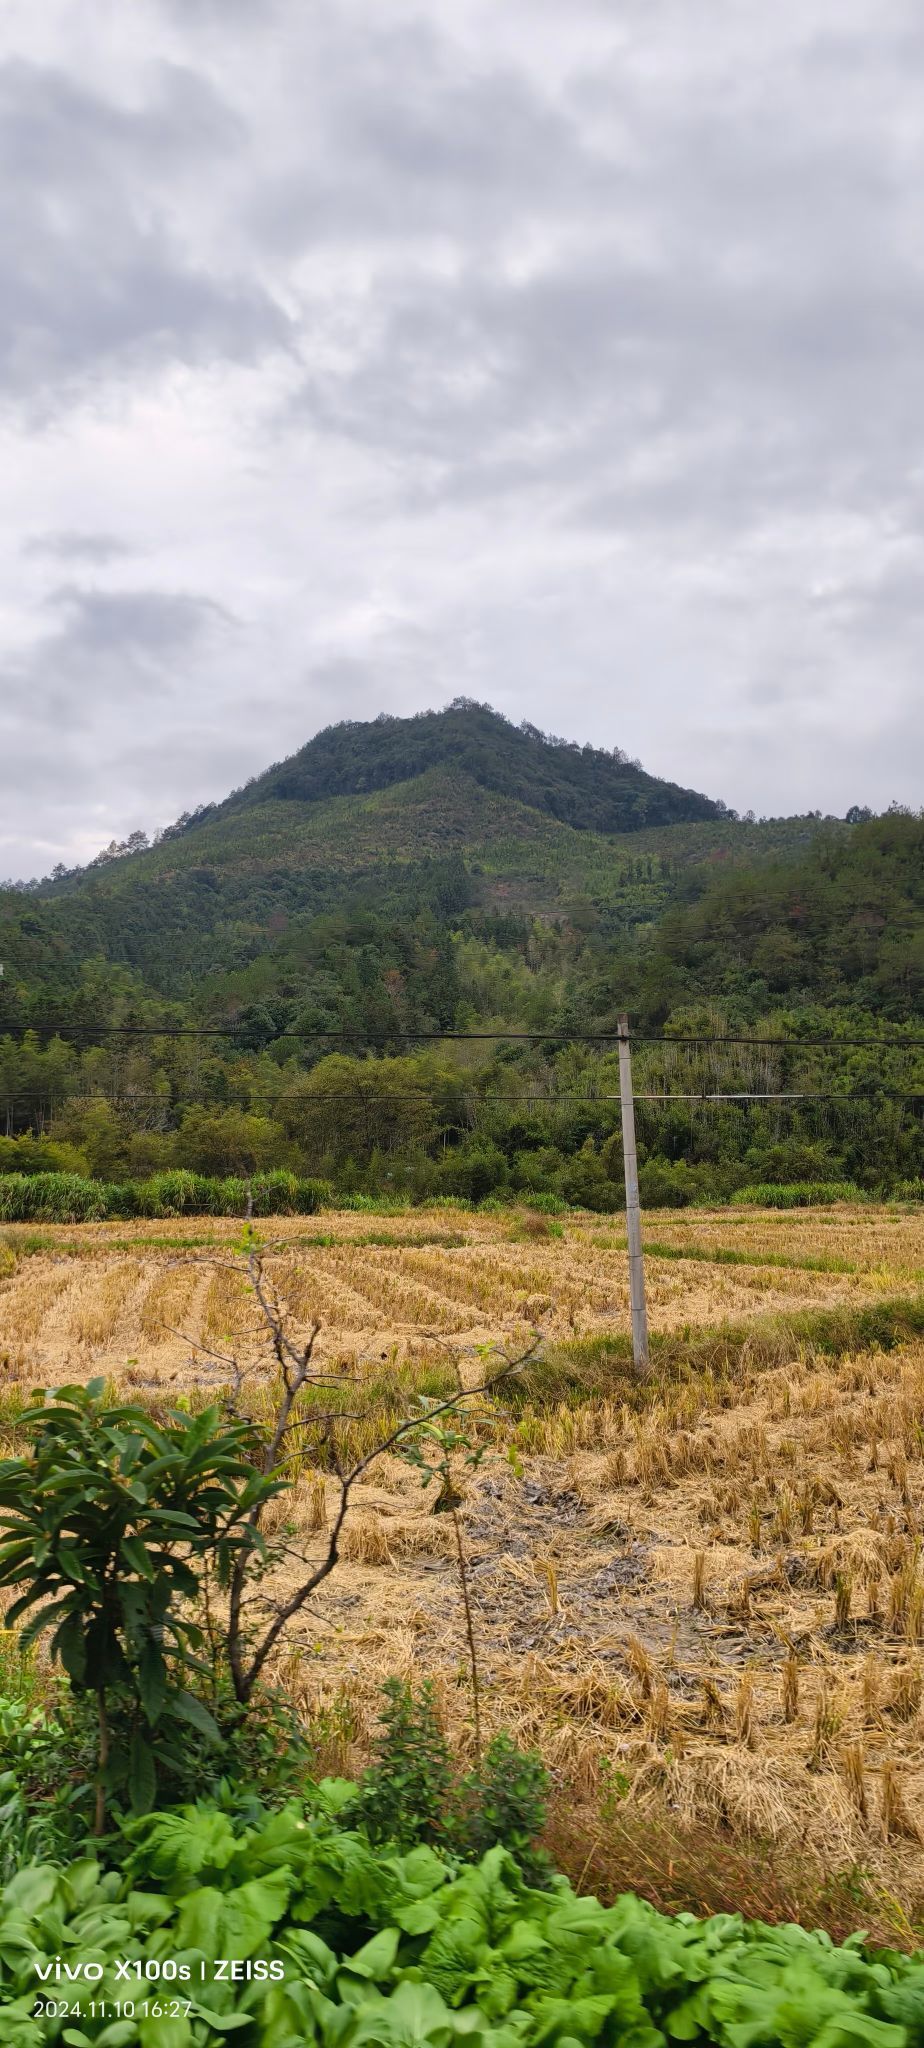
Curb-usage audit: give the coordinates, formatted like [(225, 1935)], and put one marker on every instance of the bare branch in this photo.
[(245, 1679), (297, 1369)]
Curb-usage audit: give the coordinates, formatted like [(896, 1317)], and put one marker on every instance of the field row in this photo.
[(62, 1311)]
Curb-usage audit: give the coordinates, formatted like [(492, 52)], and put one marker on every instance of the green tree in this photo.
[(111, 1522), (229, 1141), (350, 1108)]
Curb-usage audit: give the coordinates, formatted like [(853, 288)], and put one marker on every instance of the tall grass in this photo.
[(594, 1368), (799, 1194), (70, 1198)]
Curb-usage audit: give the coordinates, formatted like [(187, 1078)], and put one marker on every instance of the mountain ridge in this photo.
[(372, 812), (580, 785)]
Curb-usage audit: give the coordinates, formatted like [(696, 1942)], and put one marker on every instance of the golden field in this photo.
[(86, 1298), (702, 1598)]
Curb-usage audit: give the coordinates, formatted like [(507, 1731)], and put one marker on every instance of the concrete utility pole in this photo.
[(633, 1212)]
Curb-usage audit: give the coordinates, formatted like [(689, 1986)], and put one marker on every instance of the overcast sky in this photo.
[(357, 354)]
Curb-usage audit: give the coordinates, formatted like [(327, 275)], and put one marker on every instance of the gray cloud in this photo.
[(106, 650), (568, 358), (77, 547), (73, 703), (96, 274)]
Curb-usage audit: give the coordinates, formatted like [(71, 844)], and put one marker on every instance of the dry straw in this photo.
[(897, 1822), (746, 1726), (854, 1776)]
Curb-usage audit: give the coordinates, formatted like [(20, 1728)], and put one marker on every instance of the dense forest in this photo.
[(269, 983)]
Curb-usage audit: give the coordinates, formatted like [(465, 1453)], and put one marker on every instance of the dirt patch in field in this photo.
[(733, 1638)]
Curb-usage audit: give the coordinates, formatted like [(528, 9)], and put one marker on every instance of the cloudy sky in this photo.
[(356, 354)]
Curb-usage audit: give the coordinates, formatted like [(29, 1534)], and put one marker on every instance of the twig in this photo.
[(470, 1632)]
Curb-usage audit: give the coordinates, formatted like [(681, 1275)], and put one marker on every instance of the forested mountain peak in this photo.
[(583, 786)]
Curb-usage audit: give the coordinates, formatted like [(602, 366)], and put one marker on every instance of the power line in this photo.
[(872, 1094), (387, 1036)]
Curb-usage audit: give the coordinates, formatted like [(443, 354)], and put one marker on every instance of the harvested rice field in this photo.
[(701, 1596), (84, 1299)]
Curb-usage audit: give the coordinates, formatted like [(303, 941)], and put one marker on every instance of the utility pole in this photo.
[(633, 1212)]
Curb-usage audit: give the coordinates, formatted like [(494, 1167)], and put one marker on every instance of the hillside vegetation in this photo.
[(580, 786), (451, 873)]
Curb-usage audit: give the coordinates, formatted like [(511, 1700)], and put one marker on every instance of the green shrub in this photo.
[(909, 1191), (50, 1198), (472, 1172), (28, 1154), (503, 1800), (119, 1200), (800, 1194), (404, 1796), (413, 1794), (662, 1186)]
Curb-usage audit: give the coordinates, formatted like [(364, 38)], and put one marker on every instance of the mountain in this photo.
[(407, 878), (584, 787), (372, 813)]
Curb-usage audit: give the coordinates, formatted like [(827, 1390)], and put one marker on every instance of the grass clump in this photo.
[(588, 1368), (71, 1198), (798, 1194)]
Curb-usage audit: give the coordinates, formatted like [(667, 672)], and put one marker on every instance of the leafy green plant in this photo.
[(503, 1800), (47, 1759), (110, 1523), (413, 1793), (405, 1795), (369, 1945)]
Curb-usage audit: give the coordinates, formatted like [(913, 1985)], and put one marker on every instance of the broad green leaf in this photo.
[(223, 2022), (376, 1957), (69, 1642), (152, 1681), (136, 1555), (200, 1922), (188, 1708), (165, 2032), (252, 1910)]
